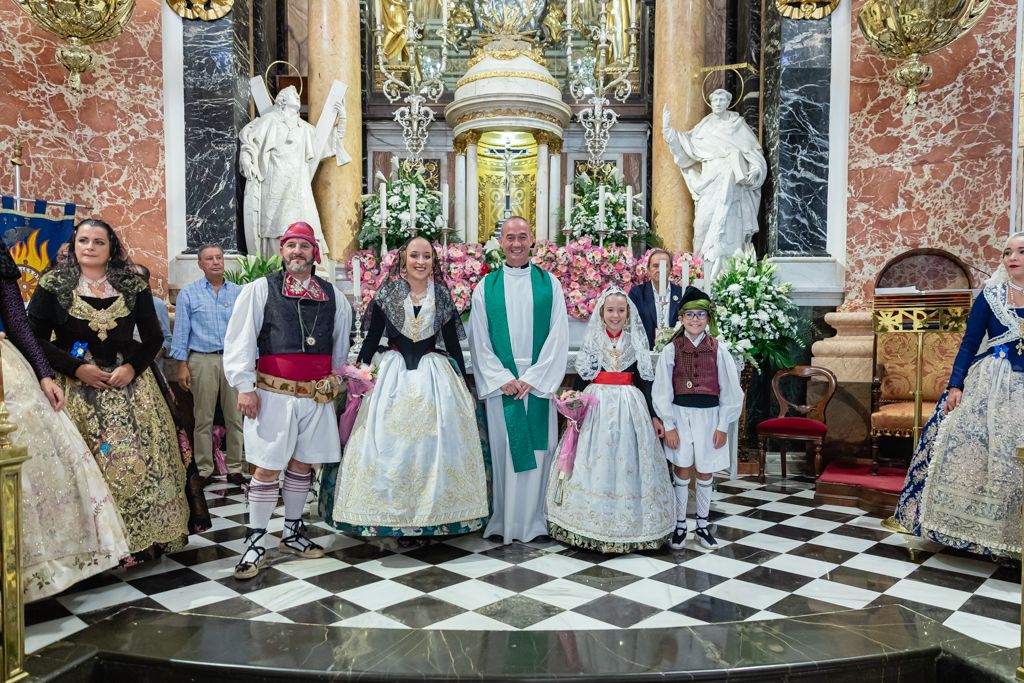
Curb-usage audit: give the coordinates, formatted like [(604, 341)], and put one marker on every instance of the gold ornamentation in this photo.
[(460, 143), (101, 321), (505, 113), (472, 137), (555, 145), (466, 80), (12, 608), (908, 29), (81, 23), (204, 10), (533, 53), (806, 9)]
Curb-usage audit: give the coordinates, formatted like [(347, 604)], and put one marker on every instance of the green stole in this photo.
[(526, 425)]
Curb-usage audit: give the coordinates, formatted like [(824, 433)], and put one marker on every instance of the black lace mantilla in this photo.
[(390, 299), (62, 282), (8, 269)]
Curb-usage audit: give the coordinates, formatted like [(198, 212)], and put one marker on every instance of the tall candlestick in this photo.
[(568, 206), (412, 210), (357, 281), (568, 11), (629, 206), (662, 278), (600, 213), (686, 274), (444, 203), (377, 13), (383, 220)]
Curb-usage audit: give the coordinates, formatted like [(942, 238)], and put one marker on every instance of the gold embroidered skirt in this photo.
[(70, 526), (132, 437)]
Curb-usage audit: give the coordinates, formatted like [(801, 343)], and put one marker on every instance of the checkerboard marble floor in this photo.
[(781, 556)]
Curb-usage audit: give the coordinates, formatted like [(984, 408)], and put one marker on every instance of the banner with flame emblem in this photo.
[(34, 238)]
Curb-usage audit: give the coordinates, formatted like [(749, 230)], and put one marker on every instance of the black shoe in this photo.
[(246, 570), (703, 535), (237, 478), (678, 540), (296, 542)]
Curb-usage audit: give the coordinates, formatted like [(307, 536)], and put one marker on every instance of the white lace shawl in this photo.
[(594, 352)]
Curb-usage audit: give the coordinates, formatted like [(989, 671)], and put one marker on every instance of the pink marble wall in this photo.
[(103, 149), (937, 176)]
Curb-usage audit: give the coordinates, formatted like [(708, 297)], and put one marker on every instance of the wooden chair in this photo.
[(809, 427)]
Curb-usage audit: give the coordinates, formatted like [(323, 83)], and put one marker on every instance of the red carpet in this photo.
[(888, 479)]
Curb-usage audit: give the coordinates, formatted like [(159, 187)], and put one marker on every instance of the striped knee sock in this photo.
[(296, 490)]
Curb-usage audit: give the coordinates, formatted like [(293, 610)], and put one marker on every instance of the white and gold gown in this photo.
[(413, 465)]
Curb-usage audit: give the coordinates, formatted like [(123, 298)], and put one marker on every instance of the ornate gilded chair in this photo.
[(809, 427), (927, 353)]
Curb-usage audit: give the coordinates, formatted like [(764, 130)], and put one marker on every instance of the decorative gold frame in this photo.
[(806, 9), (12, 606)]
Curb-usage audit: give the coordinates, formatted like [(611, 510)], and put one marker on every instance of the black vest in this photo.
[(281, 332)]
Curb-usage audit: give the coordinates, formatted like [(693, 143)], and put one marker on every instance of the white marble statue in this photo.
[(279, 156), (724, 168)]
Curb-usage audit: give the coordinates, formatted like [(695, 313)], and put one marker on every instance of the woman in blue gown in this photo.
[(963, 488)]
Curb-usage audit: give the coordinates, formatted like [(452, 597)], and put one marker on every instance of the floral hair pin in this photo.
[(79, 350), (1001, 351)]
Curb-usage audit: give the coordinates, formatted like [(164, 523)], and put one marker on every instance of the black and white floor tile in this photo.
[(781, 556)]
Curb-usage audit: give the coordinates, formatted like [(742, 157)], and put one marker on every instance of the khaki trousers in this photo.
[(208, 381)]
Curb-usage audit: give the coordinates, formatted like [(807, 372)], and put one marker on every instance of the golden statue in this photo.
[(395, 13), (620, 18)]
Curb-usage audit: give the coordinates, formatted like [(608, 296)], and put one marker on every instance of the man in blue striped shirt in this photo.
[(201, 319)]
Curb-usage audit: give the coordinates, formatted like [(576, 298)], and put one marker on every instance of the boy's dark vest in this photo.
[(695, 375)]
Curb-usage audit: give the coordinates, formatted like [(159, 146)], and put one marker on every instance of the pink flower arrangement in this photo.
[(583, 268)]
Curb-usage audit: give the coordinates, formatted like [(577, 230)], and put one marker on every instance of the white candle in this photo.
[(568, 11), (377, 13), (383, 219), (662, 278), (357, 281), (444, 203), (568, 205), (600, 207), (686, 273), (629, 206), (412, 210)]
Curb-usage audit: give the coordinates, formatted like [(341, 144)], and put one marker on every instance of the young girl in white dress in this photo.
[(618, 498)]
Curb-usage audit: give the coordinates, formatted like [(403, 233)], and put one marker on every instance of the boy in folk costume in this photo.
[(697, 395)]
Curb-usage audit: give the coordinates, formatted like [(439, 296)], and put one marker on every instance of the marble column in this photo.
[(541, 219), (797, 75), (678, 57), (333, 55), (218, 57), (460, 187), (554, 187), (472, 189)]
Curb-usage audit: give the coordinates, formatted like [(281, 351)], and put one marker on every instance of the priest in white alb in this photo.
[(519, 338)]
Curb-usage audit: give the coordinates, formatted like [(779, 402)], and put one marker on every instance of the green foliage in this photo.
[(756, 315), (251, 268)]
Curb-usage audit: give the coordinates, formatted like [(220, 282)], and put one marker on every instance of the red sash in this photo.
[(618, 378), (298, 367)]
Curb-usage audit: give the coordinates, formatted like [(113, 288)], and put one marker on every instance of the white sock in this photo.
[(703, 502), (295, 492), (262, 499), (682, 491)]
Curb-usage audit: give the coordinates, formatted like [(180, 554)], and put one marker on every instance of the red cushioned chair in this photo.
[(808, 428)]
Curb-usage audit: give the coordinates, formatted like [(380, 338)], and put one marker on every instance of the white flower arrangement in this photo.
[(429, 220), (583, 219), (758, 319)]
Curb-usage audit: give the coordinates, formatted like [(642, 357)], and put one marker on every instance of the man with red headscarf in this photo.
[(286, 343)]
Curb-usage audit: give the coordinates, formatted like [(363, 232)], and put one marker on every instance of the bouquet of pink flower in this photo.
[(574, 405), (361, 379)]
